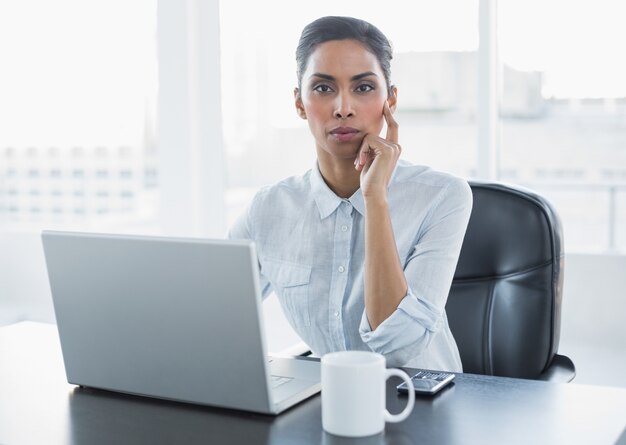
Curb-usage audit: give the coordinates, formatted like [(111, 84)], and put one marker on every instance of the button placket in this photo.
[(341, 260)]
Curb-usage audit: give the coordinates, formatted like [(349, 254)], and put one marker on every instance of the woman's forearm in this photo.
[(385, 284)]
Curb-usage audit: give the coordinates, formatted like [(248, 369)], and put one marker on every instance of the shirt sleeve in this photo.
[(429, 270), (241, 229)]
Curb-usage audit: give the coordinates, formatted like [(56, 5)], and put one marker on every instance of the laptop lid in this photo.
[(172, 318)]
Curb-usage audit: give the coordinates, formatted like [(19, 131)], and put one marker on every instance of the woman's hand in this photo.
[(377, 158)]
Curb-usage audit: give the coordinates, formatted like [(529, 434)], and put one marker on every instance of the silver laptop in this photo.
[(172, 318)]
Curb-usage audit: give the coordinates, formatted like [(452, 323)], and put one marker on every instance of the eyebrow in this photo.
[(353, 78)]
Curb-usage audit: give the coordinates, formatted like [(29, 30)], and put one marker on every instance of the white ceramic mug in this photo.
[(353, 393)]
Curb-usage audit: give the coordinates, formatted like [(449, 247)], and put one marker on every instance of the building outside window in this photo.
[(563, 114), (77, 109)]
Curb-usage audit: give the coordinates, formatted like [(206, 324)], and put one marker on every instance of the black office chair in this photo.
[(504, 306)]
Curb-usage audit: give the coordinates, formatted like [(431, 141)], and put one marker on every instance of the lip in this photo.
[(344, 134)]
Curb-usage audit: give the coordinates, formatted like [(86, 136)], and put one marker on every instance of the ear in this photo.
[(392, 100), (299, 104)]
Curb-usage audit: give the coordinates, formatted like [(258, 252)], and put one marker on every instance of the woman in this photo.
[(362, 248)]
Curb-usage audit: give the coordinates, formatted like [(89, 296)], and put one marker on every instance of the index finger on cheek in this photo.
[(392, 125)]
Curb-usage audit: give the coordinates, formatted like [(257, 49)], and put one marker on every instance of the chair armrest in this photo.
[(561, 370)]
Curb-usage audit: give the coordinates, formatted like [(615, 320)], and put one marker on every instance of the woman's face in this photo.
[(342, 97)]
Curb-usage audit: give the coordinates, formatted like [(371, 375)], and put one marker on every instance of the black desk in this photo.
[(37, 406)]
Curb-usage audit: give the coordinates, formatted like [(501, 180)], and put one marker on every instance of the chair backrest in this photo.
[(504, 307)]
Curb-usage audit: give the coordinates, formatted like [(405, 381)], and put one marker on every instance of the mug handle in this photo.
[(393, 418)]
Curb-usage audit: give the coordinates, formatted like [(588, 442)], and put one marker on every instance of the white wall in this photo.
[(594, 302), (593, 331)]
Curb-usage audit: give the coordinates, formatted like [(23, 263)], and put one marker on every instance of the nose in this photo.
[(343, 107)]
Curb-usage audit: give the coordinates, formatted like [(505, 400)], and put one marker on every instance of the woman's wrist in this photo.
[(375, 199)]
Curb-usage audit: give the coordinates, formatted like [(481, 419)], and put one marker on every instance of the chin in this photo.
[(344, 150)]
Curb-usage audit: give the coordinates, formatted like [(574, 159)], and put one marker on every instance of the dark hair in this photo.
[(330, 28)]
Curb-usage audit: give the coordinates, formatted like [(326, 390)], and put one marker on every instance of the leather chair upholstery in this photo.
[(504, 306)]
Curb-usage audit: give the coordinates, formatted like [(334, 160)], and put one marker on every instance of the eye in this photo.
[(322, 88), (364, 88)]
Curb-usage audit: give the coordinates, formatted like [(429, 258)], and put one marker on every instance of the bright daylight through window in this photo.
[(563, 113), (78, 94), (78, 104)]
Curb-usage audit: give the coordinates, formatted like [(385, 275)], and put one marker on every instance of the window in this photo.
[(78, 87), (563, 113)]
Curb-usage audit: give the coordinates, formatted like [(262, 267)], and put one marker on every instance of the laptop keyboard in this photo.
[(277, 380)]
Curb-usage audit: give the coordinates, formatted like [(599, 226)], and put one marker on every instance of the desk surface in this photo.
[(37, 405)]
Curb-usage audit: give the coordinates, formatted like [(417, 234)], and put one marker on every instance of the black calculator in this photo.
[(428, 382)]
